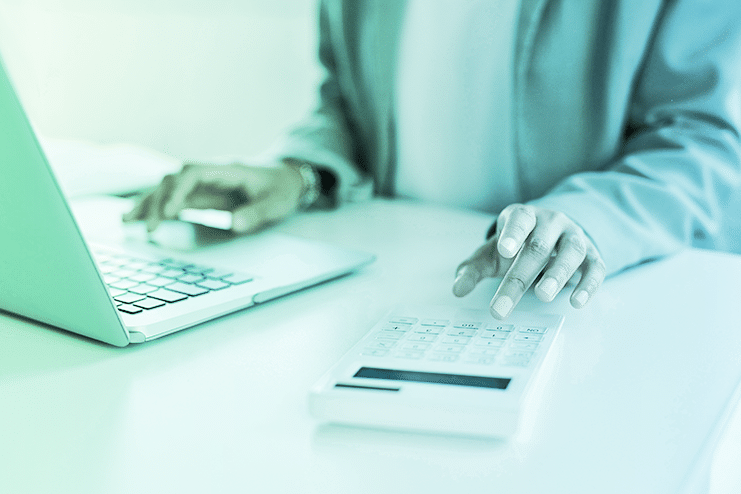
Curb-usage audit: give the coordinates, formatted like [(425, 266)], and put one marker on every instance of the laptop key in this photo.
[(142, 277), (149, 303), (129, 298), (129, 309), (123, 284), (142, 289), (172, 273), (191, 278), (212, 284), (167, 295), (187, 289), (237, 278), (115, 292), (159, 281), (197, 269), (217, 274)]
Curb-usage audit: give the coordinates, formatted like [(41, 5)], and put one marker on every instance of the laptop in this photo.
[(130, 293)]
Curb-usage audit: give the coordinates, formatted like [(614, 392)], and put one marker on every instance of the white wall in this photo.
[(190, 78)]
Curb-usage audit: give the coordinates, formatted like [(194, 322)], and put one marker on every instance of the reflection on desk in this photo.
[(634, 404)]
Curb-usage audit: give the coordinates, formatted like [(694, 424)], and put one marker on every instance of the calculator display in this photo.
[(433, 377)]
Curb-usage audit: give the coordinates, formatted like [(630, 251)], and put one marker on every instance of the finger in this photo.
[(592, 277), (261, 211), (571, 251), (519, 221), (139, 211), (466, 280), (155, 215), (485, 262), (211, 186), (532, 258), (187, 180)]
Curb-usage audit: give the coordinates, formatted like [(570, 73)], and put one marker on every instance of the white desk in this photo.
[(222, 407)]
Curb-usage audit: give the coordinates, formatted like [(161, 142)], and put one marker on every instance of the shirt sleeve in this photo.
[(326, 138), (681, 163)]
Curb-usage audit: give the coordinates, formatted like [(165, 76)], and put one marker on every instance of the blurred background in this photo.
[(188, 78)]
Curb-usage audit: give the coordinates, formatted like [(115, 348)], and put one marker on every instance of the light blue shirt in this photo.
[(626, 115), (454, 103)]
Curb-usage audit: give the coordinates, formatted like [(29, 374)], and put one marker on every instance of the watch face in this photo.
[(310, 178)]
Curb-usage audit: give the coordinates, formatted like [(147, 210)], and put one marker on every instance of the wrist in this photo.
[(310, 182)]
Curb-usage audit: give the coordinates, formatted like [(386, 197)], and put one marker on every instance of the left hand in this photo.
[(529, 241)]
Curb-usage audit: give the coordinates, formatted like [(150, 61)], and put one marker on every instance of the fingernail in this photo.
[(581, 298), (502, 306), (462, 285), (548, 286), (507, 247)]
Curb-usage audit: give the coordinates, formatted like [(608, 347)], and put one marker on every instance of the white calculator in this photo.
[(438, 369)]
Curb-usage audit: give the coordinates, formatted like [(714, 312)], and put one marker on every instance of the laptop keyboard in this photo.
[(137, 284)]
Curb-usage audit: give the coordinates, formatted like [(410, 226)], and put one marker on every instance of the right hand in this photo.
[(256, 196)]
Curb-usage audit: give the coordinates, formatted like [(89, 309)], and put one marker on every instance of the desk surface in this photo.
[(222, 407)]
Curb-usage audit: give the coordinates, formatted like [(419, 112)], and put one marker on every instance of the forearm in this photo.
[(326, 138), (681, 162)]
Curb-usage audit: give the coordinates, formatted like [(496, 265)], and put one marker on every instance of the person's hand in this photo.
[(256, 196), (530, 241)]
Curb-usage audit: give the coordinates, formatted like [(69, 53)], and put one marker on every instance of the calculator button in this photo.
[(518, 355), (495, 335), (416, 347), (374, 352), (500, 327), (482, 350), (391, 335), (428, 329), (434, 322), (467, 325), (528, 337), (461, 332), (422, 337), (395, 327), (403, 320), (380, 344), (450, 348), (409, 355), (457, 340), (532, 330), (523, 345), (489, 343), (443, 357)]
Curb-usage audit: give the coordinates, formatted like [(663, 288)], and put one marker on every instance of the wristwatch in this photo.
[(310, 179)]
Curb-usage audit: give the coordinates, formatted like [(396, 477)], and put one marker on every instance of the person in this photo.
[(600, 134)]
